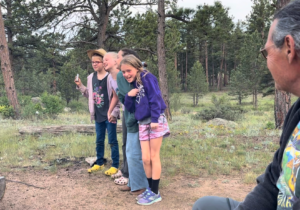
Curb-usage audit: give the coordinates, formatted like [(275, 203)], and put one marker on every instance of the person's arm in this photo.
[(153, 93), (129, 101), (82, 88), (114, 108)]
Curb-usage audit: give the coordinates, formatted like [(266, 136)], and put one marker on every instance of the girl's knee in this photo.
[(146, 161), (155, 157)]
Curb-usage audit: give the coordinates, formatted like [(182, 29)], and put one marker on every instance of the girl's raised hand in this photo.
[(133, 92), (153, 125)]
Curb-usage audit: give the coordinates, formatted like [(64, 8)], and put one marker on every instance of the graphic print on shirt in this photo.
[(140, 94), (289, 180), (98, 97)]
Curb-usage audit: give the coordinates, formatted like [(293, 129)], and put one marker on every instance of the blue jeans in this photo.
[(137, 176), (112, 140)]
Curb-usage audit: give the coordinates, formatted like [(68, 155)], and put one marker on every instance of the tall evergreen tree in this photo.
[(197, 84)]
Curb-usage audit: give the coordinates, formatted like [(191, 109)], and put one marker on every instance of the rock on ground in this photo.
[(219, 121)]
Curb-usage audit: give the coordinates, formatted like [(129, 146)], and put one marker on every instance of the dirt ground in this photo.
[(73, 188)]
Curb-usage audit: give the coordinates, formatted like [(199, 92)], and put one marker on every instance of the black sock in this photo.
[(150, 182), (155, 184)]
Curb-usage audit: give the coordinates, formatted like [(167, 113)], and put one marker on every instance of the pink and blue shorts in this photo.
[(146, 133)]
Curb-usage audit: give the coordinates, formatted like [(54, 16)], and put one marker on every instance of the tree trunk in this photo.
[(9, 31), (255, 98), (181, 71), (225, 72), (206, 62), (282, 105), (282, 101), (6, 70), (213, 68), (102, 24), (221, 67), (194, 99), (186, 66), (175, 62), (161, 55)]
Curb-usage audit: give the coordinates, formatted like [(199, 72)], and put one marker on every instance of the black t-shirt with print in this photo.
[(100, 97)]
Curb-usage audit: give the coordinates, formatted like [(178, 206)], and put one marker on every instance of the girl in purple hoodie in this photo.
[(147, 103)]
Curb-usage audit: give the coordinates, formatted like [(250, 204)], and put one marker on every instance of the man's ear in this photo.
[(289, 48)]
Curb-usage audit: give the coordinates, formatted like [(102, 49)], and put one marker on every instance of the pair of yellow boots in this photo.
[(109, 172)]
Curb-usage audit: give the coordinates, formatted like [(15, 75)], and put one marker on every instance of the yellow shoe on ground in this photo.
[(95, 168), (111, 171)]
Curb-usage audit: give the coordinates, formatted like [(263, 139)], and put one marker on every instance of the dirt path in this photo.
[(73, 188)]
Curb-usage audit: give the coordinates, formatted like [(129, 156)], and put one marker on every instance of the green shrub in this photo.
[(53, 104), (185, 110), (221, 109), (270, 126), (7, 111), (175, 102), (24, 100), (32, 110), (76, 106), (4, 101)]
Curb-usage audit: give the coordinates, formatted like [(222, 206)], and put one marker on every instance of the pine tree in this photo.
[(197, 84)]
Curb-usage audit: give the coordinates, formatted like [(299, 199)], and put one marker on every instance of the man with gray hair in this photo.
[(279, 187)]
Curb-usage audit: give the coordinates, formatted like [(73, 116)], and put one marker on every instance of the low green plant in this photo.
[(53, 104), (76, 106), (32, 110), (270, 126), (7, 111), (185, 110), (4, 101), (221, 109), (24, 100), (175, 101)]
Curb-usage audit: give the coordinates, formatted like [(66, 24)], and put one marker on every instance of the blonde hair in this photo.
[(137, 64), (114, 55)]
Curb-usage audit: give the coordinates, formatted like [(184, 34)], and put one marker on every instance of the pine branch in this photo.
[(177, 18)]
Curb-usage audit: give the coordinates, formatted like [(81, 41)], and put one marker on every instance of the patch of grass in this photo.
[(250, 178), (194, 147)]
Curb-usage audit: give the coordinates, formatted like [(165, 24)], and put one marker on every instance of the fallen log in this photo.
[(61, 129), (2, 187)]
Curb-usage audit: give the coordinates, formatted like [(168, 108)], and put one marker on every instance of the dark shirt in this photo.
[(124, 88), (100, 97)]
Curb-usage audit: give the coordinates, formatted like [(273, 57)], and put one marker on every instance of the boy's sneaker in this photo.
[(95, 168), (143, 194), (149, 199)]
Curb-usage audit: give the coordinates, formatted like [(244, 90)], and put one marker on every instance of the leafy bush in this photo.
[(32, 110), (24, 100), (221, 109), (7, 111), (270, 126), (4, 101), (175, 101), (53, 104), (76, 106), (185, 110)]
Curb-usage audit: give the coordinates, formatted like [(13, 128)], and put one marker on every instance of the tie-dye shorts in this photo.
[(146, 133)]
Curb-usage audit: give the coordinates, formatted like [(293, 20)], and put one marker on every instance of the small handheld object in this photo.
[(77, 77), (140, 87)]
